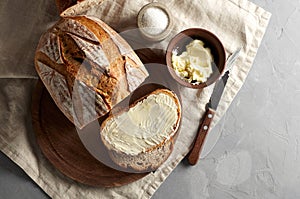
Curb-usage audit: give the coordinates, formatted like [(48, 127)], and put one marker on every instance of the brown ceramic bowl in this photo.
[(179, 42)]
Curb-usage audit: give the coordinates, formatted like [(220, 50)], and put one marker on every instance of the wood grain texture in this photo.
[(59, 142), (194, 154)]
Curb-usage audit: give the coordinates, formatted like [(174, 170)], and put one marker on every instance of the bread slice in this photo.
[(87, 68), (142, 136)]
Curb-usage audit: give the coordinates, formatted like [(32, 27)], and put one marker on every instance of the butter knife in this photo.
[(211, 108)]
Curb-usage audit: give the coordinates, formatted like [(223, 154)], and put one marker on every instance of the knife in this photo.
[(211, 108)]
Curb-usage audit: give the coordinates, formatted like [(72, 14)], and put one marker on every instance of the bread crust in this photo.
[(159, 153), (75, 8), (84, 69)]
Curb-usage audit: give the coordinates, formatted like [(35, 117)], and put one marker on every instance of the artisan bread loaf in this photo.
[(87, 68), (141, 137), (75, 8)]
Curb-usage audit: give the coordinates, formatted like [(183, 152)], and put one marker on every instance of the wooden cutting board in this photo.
[(58, 138), (60, 143)]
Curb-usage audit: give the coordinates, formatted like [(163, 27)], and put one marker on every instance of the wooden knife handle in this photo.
[(194, 154)]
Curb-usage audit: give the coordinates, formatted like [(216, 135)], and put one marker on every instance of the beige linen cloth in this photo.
[(238, 23)]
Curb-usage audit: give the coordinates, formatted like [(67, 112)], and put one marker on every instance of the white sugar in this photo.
[(155, 20)]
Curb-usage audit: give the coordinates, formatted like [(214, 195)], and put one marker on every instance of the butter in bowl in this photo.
[(195, 58)]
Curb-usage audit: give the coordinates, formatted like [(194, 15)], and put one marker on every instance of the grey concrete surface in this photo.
[(14, 183), (257, 155)]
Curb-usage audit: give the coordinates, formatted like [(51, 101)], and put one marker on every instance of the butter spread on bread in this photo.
[(141, 137), (87, 68)]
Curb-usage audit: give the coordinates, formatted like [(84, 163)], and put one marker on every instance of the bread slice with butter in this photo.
[(142, 136)]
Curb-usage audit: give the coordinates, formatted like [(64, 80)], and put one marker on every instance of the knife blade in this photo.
[(211, 108)]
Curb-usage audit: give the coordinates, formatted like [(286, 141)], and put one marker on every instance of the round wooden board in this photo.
[(60, 143), (58, 138), (71, 154)]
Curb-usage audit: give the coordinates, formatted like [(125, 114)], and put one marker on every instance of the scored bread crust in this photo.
[(76, 8), (83, 65), (153, 157)]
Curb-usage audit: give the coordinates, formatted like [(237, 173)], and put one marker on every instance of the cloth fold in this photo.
[(238, 23)]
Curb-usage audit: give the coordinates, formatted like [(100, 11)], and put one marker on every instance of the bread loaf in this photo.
[(87, 68), (141, 137), (75, 8)]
